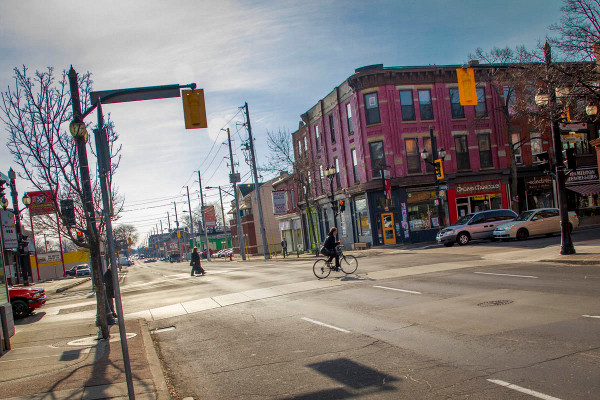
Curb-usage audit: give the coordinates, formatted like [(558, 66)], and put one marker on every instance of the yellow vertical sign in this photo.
[(194, 109), (466, 86)]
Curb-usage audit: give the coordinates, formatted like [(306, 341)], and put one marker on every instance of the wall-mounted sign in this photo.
[(41, 203), (477, 187), (279, 202), (582, 175), (210, 217), (538, 183)]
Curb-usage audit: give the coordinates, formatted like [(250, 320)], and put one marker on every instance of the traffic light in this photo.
[(439, 169), (466, 86), (546, 165), (570, 159), (67, 210), (2, 188), (80, 236), (342, 205), (194, 109)]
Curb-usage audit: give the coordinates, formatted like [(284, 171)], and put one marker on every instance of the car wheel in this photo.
[(448, 244), (463, 239), (20, 309), (522, 234), (494, 239)]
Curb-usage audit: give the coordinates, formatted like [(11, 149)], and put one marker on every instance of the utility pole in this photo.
[(263, 234), (169, 221), (178, 234), (203, 217), (223, 214), (191, 216), (238, 219)]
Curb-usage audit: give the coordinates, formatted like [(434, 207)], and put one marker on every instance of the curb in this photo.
[(573, 262), (160, 384), (72, 285)]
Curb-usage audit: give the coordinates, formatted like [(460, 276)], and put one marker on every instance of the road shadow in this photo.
[(355, 278), (32, 318)]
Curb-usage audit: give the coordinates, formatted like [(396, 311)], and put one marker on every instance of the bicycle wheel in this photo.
[(321, 269), (349, 264)]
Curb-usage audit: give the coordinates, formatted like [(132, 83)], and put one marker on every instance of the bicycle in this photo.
[(348, 264)]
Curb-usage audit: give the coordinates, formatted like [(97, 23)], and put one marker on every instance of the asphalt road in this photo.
[(485, 324)]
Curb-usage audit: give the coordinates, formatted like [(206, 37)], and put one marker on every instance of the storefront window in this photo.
[(422, 210), (362, 216)]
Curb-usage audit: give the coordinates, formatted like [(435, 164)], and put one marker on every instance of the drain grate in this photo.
[(494, 303)]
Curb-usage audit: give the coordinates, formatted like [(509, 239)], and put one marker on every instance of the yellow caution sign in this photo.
[(466, 86)]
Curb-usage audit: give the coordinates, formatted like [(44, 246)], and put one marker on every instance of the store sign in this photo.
[(284, 225), (48, 258), (279, 203), (477, 187), (210, 217), (9, 232), (41, 203), (538, 183), (582, 175)]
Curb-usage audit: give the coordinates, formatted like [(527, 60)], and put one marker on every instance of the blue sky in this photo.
[(279, 56)]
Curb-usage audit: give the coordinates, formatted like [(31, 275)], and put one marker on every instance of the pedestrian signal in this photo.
[(466, 86), (194, 109), (439, 169), (342, 205), (546, 164), (570, 159)]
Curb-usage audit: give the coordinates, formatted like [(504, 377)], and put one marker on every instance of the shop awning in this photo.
[(586, 190)]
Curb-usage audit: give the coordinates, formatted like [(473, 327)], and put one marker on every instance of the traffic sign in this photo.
[(573, 127)]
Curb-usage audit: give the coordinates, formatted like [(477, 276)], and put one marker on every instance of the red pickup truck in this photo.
[(25, 299)]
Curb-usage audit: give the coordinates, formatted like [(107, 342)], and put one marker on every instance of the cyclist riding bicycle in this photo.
[(330, 248)]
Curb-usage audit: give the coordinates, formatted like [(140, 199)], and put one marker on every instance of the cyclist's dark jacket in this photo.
[(330, 243)]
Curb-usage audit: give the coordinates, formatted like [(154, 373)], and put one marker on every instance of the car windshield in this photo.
[(525, 215), (463, 220)]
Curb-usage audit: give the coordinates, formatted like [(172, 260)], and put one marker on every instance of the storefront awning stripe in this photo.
[(586, 190)]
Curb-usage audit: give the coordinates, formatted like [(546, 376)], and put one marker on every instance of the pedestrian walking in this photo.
[(110, 291), (284, 248), (195, 263)]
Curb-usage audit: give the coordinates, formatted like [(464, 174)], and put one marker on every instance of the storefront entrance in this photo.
[(387, 223)]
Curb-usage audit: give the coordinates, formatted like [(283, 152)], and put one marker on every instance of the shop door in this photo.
[(387, 222)]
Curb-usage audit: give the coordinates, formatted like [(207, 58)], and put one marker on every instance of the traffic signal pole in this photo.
[(203, 217), (238, 218)]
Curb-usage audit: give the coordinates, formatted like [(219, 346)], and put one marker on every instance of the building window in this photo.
[(516, 144), (355, 165), (305, 145), (331, 128), (481, 107), (372, 109), (536, 143), (485, 150), (413, 159), (337, 172), (407, 105), (299, 148), (425, 105), (462, 153), (349, 117), (317, 137), (458, 111), (427, 146), (377, 158), (321, 178)]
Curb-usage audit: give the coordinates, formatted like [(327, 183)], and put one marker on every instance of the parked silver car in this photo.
[(540, 221), (479, 225)]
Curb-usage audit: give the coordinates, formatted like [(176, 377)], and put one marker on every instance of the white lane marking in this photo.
[(591, 316), (517, 276), (523, 390), (398, 290), (325, 325)]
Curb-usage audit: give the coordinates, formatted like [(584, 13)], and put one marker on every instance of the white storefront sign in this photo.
[(279, 202), (9, 232)]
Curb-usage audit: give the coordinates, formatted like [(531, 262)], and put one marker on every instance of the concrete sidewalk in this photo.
[(66, 361)]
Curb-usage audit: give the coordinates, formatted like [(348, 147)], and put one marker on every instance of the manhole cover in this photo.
[(494, 303)]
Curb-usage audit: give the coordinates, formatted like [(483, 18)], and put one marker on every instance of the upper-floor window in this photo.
[(485, 150), (407, 105), (425, 105), (317, 137), (413, 158), (354, 165), (457, 110), (536, 143), (331, 128), (481, 107), (462, 153), (516, 143), (337, 172), (305, 145), (427, 146), (377, 158), (299, 148), (510, 99), (372, 109), (349, 118), (321, 177)]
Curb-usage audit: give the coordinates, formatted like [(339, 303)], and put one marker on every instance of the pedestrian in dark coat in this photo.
[(110, 290), (195, 263)]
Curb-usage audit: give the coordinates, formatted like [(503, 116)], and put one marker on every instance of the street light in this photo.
[(330, 174)]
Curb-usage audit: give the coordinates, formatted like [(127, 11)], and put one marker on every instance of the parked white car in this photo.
[(540, 221)]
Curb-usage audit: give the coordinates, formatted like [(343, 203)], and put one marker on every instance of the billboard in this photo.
[(279, 203), (210, 217), (41, 203)]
